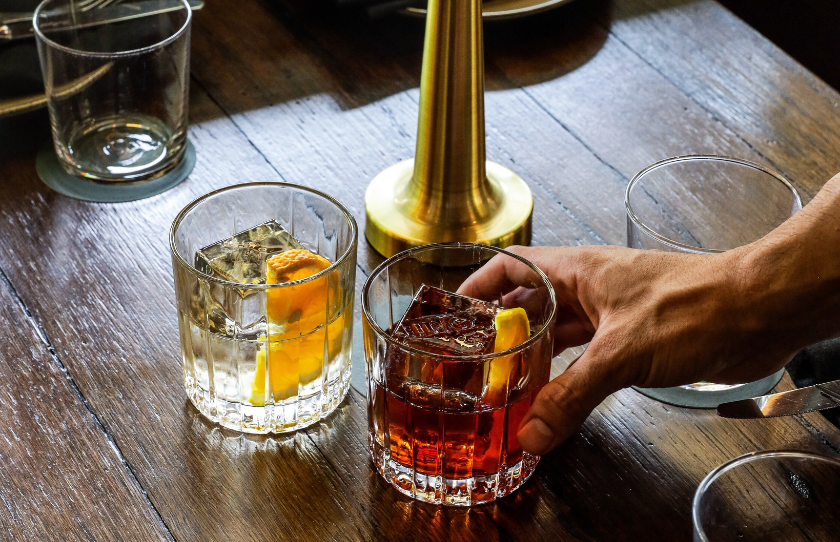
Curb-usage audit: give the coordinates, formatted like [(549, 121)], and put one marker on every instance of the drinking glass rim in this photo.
[(740, 460), (97, 54), (695, 158), (474, 357), (350, 220)]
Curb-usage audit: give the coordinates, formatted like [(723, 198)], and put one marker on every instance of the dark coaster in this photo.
[(358, 381), (59, 180), (818, 364), (683, 397)]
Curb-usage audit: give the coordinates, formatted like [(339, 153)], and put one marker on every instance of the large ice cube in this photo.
[(446, 323), (241, 258)]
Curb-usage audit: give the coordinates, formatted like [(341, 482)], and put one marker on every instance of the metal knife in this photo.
[(788, 403)]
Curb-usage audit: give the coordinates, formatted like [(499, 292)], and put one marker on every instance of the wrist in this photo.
[(786, 297)]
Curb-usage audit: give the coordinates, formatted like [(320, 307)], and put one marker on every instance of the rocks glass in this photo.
[(775, 495), (264, 357), (442, 427), (117, 91), (706, 205)]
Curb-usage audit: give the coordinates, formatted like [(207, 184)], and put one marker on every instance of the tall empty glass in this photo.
[(263, 355), (443, 408), (116, 80), (706, 205), (783, 496)]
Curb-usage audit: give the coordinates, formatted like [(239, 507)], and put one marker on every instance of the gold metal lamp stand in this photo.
[(449, 192)]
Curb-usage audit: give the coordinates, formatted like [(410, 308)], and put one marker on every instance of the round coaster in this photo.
[(59, 180), (358, 381), (683, 397)]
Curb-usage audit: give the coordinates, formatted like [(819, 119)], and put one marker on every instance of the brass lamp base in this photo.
[(390, 229)]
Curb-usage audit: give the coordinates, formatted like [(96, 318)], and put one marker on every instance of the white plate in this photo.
[(505, 9)]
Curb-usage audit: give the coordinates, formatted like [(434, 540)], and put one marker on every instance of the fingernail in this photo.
[(535, 436)]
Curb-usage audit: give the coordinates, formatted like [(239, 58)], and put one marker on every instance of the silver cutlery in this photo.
[(788, 403)]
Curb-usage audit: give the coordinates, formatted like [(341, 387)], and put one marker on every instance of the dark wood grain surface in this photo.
[(61, 475), (100, 441)]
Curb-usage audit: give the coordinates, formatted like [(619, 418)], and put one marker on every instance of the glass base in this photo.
[(710, 386), (53, 174), (126, 147), (708, 395), (451, 491), (283, 417)]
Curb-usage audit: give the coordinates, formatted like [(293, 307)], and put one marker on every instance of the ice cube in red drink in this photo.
[(449, 324)]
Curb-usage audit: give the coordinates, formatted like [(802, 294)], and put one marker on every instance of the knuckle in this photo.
[(559, 395)]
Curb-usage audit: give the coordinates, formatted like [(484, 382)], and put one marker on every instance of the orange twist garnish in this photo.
[(294, 264), (298, 324)]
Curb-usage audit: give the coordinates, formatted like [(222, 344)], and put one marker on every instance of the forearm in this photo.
[(792, 277)]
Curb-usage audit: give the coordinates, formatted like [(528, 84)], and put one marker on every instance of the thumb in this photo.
[(562, 406)]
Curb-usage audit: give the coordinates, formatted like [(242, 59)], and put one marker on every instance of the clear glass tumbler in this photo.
[(442, 427), (117, 88), (783, 496), (705, 205), (261, 357)]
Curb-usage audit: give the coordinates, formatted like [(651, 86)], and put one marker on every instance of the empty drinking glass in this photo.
[(774, 496), (116, 81), (706, 205)]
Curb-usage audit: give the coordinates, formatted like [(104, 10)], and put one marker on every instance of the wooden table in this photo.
[(98, 440)]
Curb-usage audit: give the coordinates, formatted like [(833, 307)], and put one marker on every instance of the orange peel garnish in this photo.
[(298, 324), (294, 264), (512, 329)]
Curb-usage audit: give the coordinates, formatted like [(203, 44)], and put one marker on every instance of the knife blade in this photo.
[(788, 403)]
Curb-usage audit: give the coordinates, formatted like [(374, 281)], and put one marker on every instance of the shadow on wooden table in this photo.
[(300, 49), (20, 76), (626, 502), (632, 496)]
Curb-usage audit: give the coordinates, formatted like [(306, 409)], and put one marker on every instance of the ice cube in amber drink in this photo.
[(445, 415), (241, 258)]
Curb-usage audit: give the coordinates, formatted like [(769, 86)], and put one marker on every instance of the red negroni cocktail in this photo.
[(451, 375)]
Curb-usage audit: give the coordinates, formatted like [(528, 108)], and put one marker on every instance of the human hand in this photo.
[(653, 319)]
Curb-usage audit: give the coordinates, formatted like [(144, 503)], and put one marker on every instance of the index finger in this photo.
[(499, 276)]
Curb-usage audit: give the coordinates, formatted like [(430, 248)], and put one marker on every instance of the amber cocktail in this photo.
[(264, 278), (450, 376)]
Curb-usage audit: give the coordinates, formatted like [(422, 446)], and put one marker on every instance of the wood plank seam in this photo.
[(330, 463), (42, 334), (817, 433), (563, 207), (608, 29), (714, 116), (577, 138), (264, 157)]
